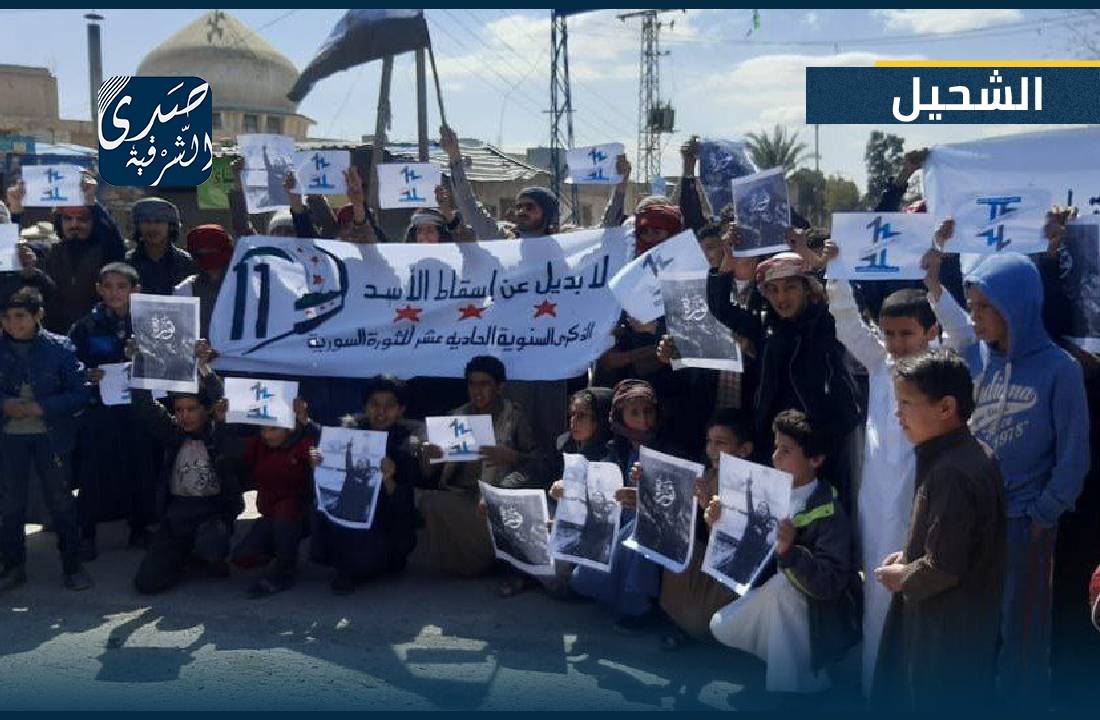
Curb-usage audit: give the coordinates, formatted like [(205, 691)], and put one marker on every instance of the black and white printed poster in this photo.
[(349, 477), (586, 521), (763, 210), (720, 161), (665, 527), (166, 328), (701, 341), (518, 521), (754, 499), (1079, 260)]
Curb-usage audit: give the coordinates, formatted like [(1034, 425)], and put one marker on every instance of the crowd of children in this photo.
[(925, 504)]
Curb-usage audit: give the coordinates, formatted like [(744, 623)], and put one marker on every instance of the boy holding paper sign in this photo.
[(116, 454), (803, 618)]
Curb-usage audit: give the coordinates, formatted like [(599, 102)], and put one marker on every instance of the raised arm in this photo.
[(613, 214), (484, 227)]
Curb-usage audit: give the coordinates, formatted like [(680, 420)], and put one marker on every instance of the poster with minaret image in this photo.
[(350, 475)]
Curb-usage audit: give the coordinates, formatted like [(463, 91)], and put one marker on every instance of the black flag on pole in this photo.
[(362, 36)]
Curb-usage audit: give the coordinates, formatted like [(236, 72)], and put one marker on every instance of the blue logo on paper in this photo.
[(155, 131)]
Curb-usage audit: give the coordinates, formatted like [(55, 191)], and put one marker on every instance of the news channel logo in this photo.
[(988, 92), (155, 131)]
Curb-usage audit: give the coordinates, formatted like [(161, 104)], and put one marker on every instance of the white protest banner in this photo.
[(518, 528), (701, 341), (407, 185), (586, 521), (763, 211), (1079, 263), (52, 186), (9, 252), (594, 165), (999, 189), (350, 475), (166, 328), (255, 401), (880, 246), (114, 386), (267, 158), (754, 498), (664, 531), (322, 307), (321, 172), (637, 286), (461, 437)]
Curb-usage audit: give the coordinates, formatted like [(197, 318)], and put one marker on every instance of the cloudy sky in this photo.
[(495, 67)]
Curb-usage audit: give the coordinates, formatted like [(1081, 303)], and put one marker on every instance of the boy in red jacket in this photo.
[(278, 460)]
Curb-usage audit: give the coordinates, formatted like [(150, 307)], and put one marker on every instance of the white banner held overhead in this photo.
[(999, 189), (321, 172), (52, 186), (880, 246), (637, 286), (267, 158), (328, 308), (594, 165), (407, 185)]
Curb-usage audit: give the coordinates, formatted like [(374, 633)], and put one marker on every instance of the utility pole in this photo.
[(561, 109), (653, 117), (95, 65)]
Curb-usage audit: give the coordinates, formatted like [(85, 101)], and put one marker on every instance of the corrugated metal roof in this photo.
[(484, 163)]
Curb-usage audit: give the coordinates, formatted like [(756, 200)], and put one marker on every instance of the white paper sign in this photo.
[(267, 158), (350, 475), (461, 436), (321, 172), (166, 328), (52, 186), (880, 246), (754, 499), (595, 164), (518, 528), (701, 341), (763, 211), (664, 529), (114, 386), (975, 180), (586, 521), (637, 286), (9, 253), (261, 402), (407, 185)]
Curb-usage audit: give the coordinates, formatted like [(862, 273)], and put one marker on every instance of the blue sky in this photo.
[(495, 67)]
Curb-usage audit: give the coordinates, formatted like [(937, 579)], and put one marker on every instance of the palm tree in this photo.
[(776, 149)]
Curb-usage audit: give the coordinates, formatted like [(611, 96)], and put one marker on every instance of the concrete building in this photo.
[(249, 79), (29, 107)]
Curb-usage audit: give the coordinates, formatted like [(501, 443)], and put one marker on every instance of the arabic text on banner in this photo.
[(407, 185), (637, 286), (328, 308), (999, 190), (880, 246), (52, 186), (594, 165), (321, 172), (256, 401)]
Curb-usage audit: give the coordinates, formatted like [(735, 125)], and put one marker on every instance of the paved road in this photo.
[(414, 642)]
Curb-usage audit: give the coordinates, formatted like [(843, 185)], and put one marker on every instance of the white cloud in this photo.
[(945, 20)]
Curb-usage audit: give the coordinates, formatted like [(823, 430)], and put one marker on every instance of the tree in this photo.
[(807, 189), (841, 195), (776, 149), (883, 159)]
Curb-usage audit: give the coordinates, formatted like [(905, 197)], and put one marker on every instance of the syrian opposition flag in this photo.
[(359, 37)]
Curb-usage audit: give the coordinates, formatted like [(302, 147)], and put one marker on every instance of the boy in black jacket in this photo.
[(805, 616), (199, 495)]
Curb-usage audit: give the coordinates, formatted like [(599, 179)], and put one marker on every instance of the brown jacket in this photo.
[(939, 644)]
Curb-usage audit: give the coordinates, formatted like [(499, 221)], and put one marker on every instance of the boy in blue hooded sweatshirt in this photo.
[(1032, 411)]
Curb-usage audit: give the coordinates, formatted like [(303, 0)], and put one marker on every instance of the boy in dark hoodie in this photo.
[(42, 387), (1031, 409), (161, 264), (277, 460), (939, 642), (199, 494), (116, 459), (362, 555)]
